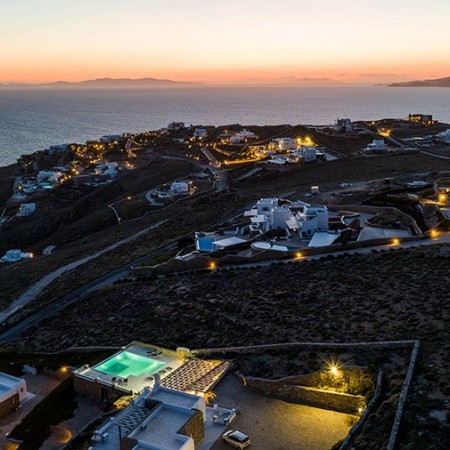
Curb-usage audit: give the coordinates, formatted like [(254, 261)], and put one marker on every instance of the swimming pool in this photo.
[(126, 363)]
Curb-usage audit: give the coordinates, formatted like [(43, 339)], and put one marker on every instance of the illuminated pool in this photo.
[(126, 363)]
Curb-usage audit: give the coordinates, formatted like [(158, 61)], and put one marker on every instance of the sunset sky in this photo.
[(224, 40)]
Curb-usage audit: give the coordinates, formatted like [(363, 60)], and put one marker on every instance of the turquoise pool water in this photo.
[(125, 364)]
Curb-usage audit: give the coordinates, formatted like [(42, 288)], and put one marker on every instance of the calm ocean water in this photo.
[(33, 119)]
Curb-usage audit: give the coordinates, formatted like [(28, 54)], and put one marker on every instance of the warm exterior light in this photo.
[(213, 265), (395, 241), (334, 366), (64, 369), (434, 234), (298, 255), (129, 197), (442, 198)]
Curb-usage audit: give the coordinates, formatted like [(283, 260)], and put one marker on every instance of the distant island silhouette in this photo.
[(106, 83), (438, 82)]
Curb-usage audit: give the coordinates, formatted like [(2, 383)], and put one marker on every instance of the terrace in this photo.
[(133, 368)]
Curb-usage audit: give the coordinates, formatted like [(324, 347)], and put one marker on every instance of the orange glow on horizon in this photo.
[(256, 41)]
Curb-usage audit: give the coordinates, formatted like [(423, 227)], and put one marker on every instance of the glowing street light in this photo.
[(395, 241)]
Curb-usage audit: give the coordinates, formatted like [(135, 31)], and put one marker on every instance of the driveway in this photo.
[(277, 425)]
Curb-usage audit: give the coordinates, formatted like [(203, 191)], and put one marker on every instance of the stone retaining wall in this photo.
[(370, 407), (203, 263), (304, 395)]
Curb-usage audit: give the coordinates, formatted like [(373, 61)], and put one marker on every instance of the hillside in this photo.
[(438, 82)]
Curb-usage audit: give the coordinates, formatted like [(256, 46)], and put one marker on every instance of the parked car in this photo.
[(236, 439)]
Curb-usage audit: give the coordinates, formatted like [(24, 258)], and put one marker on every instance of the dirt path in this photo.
[(34, 290)]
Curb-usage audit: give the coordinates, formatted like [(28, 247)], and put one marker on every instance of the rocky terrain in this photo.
[(389, 296)]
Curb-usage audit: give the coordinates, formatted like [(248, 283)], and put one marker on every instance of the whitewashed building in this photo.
[(343, 125), (13, 391), (242, 137), (181, 187), (282, 144), (445, 136), (15, 255), (308, 153), (200, 133), (297, 218), (49, 176), (26, 209), (378, 145)]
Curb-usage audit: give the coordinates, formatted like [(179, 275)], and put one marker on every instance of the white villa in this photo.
[(299, 219), (306, 152), (242, 136), (161, 418), (445, 136), (343, 125), (49, 176), (110, 169), (378, 145), (13, 391), (200, 133), (181, 187), (26, 209), (282, 144), (15, 255)]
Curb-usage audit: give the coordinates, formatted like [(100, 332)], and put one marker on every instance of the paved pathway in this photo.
[(34, 290)]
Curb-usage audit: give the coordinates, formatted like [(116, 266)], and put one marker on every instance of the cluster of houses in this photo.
[(285, 150)]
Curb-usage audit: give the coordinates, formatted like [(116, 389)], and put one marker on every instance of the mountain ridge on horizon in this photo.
[(436, 82), (106, 82)]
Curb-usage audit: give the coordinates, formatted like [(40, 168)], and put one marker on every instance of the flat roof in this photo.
[(9, 381), (380, 233), (228, 242), (174, 397), (162, 427), (322, 239)]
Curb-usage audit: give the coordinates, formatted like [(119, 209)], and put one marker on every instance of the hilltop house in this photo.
[(13, 391), (297, 218), (15, 255), (181, 187), (377, 146), (343, 125), (200, 133), (445, 137), (424, 119), (175, 126), (60, 148), (161, 418), (26, 209), (282, 144), (242, 137), (306, 152), (49, 177)]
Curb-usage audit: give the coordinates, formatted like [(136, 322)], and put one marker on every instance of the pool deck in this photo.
[(134, 384)]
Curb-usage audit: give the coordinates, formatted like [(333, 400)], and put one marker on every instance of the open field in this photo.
[(390, 296)]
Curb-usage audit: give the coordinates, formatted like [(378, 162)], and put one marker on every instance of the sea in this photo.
[(33, 119)]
